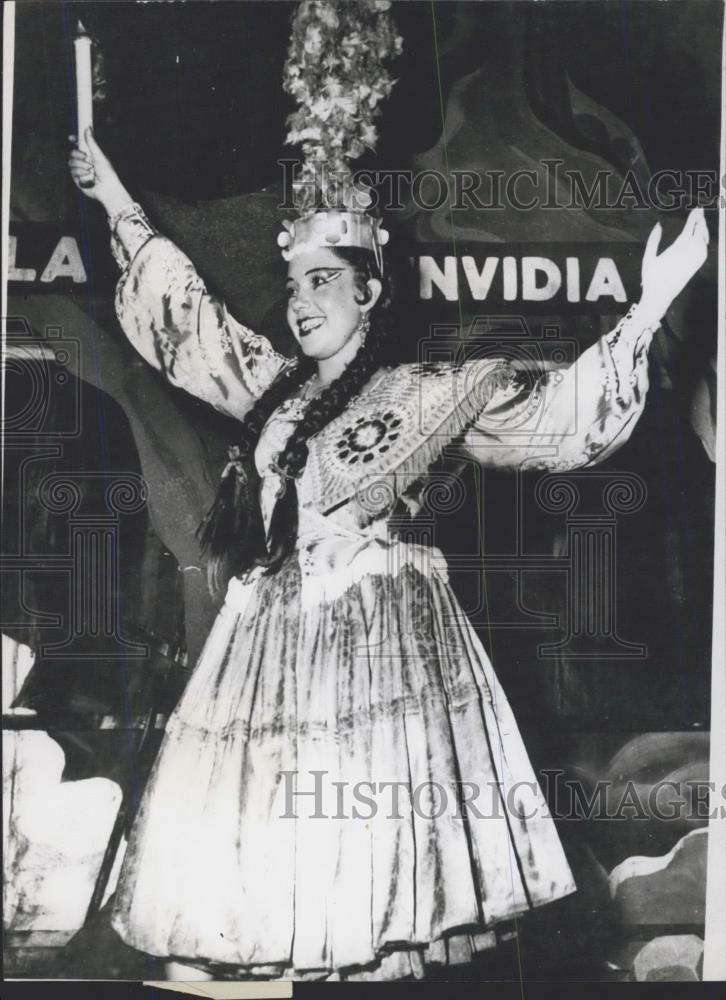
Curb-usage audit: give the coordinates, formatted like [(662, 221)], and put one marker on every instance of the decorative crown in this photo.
[(336, 71), (342, 224)]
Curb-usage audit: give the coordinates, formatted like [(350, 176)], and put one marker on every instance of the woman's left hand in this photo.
[(665, 275)]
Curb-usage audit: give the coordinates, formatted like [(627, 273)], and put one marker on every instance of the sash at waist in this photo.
[(330, 565)]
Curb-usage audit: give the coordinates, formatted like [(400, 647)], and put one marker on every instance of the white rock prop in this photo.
[(56, 835), (672, 958), (670, 888)]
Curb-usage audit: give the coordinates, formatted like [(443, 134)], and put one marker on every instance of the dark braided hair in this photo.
[(233, 533)]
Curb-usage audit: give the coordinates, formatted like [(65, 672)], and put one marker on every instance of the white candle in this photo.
[(84, 84)]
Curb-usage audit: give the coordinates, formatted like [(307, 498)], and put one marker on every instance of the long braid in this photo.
[(232, 533), (282, 533)]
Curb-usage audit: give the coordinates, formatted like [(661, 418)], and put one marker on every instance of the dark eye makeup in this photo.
[(318, 277), (324, 278)]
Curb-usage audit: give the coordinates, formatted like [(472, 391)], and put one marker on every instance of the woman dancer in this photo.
[(310, 812)]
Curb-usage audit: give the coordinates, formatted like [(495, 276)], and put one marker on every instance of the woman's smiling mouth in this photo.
[(309, 323)]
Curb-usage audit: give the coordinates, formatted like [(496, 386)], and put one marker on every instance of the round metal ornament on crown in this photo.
[(333, 227)]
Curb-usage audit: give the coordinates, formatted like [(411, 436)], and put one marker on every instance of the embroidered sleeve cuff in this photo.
[(633, 334), (645, 316), (130, 230)]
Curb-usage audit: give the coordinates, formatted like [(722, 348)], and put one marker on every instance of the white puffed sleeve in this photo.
[(187, 334)]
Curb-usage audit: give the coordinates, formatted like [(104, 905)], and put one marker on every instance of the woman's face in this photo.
[(322, 309)]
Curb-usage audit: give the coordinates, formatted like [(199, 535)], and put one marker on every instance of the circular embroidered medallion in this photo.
[(368, 437)]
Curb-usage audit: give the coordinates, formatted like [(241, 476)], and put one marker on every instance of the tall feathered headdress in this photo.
[(336, 71)]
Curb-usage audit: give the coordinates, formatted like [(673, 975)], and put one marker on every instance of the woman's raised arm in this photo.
[(581, 415), (164, 308)]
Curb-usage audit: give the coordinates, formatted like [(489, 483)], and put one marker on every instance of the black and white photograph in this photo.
[(363, 494)]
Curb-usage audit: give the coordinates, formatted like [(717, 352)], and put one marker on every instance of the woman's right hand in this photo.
[(93, 174)]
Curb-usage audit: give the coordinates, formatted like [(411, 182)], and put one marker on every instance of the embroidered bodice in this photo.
[(334, 548)]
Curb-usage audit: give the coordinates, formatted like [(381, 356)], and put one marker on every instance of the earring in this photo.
[(364, 325)]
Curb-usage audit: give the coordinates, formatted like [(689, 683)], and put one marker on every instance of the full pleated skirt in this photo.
[(342, 789)]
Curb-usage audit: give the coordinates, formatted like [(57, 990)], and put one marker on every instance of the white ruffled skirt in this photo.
[(341, 790)]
